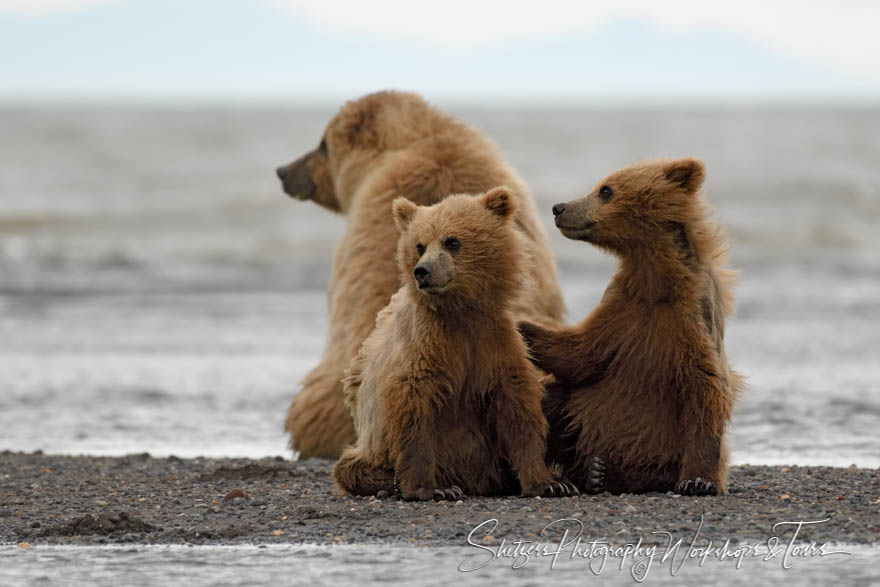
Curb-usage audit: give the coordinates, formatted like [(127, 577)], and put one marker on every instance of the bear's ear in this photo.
[(500, 201), (403, 211), (687, 173)]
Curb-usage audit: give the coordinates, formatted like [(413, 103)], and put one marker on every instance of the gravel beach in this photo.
[(84, 500)]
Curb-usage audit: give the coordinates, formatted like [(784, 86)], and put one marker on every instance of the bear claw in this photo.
[(698, 486), (559, 489), (452, 493)]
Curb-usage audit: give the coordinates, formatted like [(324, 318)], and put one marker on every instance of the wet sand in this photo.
[(83, 500)]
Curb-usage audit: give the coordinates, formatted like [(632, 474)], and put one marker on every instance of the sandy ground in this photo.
[(48, 499)]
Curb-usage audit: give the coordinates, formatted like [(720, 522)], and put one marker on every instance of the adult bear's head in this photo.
[(355, 139)]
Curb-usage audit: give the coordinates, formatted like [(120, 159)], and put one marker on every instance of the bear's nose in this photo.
[(421, 272), (281, 172), (558, 209)]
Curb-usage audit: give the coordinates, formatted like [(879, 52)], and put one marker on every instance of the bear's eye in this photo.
[(452, 244), (420, 249), (323, 147), (605, 193)]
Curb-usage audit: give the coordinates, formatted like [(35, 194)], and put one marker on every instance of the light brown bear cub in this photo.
[(443, 395), (643, 392)]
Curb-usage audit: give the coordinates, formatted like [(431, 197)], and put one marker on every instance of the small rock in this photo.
[(258, 502), (383, 493), (235, 493)]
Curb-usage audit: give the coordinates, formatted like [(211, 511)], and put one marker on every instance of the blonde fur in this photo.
[(377, 148)]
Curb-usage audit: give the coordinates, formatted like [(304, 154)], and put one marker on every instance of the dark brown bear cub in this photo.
[(643, 392), (443, 395)]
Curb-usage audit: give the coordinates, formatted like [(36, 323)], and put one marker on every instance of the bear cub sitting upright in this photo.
[(444, 398), (643, 392)]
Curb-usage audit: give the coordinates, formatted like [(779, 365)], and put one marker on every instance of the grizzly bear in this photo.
[(442, 392), (643, 392), (381, 146)]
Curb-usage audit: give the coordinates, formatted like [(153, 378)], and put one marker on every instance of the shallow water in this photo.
[(158, 292), (383, 565)]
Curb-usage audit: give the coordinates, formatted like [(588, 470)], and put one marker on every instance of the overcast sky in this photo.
[(548, 51)]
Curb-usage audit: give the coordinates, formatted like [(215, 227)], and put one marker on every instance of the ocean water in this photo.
[(159, 293)]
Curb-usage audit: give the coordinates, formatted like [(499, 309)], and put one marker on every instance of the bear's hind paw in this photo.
[(596, 476)]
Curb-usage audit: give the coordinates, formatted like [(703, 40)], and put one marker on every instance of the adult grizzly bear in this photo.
[(643, 392), (381, 146), (443, 395)]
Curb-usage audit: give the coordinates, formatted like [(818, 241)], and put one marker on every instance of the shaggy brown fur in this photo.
[(642, 383), (381, 146), (443, 395)]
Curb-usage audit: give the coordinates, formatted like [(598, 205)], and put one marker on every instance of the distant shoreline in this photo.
[(138, 499)]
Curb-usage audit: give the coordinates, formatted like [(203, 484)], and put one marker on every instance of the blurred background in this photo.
[(158, 291)]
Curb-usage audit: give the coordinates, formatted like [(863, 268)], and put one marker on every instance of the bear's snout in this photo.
[(576, 219), (296, 177), (422, 273)]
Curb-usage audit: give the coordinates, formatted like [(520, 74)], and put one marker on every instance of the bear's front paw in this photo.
[(453, 493), (562, 488), (435, 493), (698, 486)]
